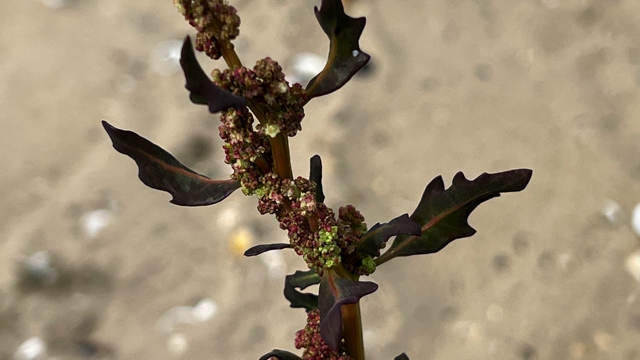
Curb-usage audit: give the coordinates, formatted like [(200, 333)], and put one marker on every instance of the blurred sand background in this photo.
[(470, 85)]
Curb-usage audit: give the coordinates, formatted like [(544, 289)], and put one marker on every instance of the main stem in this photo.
[(351, 322), (351, 318), (352, 330)]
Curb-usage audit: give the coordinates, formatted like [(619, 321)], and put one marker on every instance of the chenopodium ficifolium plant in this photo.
[(338, 248)]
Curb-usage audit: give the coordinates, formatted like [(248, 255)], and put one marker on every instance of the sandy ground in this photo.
[(471, 85)]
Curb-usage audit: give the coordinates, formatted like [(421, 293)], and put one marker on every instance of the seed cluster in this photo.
[(213, 19), (311, 341)]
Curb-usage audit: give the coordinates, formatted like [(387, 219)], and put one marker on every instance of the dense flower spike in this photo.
[(266, 85), (242, 146), (213, 19), (311, 341)]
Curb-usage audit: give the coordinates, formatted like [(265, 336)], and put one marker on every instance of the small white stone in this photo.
[(94, 221), (205, 310), (274, 263), (174, 316), (613, 212), (632, 264), (165, 57), (371, 339), (39, 265), (227, 218), (305, 66), (355, 53), (635, 219), (177, 344), (32, 349)]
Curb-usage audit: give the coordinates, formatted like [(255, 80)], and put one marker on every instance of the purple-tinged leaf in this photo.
[(376, 238), (160, 170), (301, 280), (280, 355), (259, 249), (443, 214), (315, 175), (402, 356), (203, 90), (335, 292), (345, 57)]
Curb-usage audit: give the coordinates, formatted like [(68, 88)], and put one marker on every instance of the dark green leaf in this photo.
[(345, 56), (443, 214), (301, 280), (315, 175), (335, 292), (160, 170), (280, 355), (259, 249), (376, 238), (203, 90), (402, 356)]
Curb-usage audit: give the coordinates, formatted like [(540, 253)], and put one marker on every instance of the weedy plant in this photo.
[(338, 248)]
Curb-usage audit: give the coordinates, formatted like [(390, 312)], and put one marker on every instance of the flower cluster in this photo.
[(352, 226), (311, 341), (266, 85), (242, 146), (213, 19), (314, 232)]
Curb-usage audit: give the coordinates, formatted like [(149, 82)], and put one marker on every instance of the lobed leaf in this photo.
[(315, 175), (259, 249), (376, 238), (335, 292), (443, 214), (203, 90), (160, 170), (345, 57), (280, 355), (301, 280)]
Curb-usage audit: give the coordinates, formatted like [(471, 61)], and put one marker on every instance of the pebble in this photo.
[(177, 344), (635, 219), (305, 67), (613, 212), (228, 217), (164, 59), (32, 349), (274, 262), (94, 221), (632, 264), (203, 311), (38, 265)]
